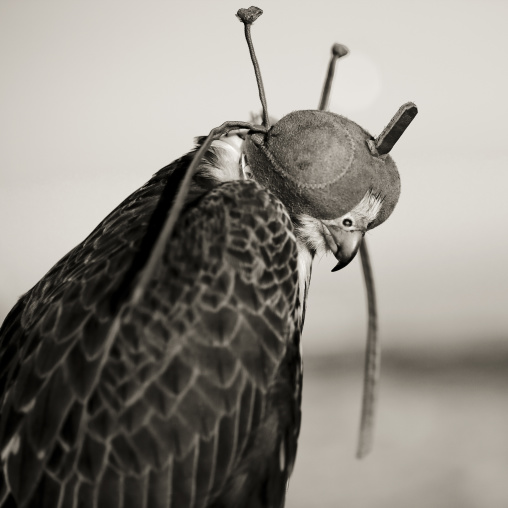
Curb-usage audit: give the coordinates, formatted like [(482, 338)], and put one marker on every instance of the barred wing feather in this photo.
[(194, 399)]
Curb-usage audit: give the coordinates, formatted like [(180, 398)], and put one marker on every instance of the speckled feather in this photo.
[(194, 401)]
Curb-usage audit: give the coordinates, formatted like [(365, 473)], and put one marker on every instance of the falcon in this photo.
[(158, 363)]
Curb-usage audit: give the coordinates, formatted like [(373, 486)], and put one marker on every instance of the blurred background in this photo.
[(97, 96)]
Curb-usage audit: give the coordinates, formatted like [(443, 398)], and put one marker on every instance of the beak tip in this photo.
[(342, 264)]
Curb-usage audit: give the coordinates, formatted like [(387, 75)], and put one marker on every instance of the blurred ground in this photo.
[(441, 437)]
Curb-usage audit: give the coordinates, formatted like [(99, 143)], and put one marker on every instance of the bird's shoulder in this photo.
[(230, 272)]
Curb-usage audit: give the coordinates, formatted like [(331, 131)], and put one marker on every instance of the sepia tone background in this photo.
[(97, 96)]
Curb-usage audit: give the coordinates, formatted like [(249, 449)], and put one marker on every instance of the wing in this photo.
[(193, 390)]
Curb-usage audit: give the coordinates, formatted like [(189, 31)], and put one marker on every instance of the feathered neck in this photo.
[(310, 241)]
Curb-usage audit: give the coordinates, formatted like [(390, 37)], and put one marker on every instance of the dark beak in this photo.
[(344, 245)]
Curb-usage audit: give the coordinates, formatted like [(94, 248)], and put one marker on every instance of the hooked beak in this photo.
[(343, 244)]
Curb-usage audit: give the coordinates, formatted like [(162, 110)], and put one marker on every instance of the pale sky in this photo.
[(97, 96)]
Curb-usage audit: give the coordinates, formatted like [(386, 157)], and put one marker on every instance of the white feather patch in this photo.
[(228, 151), (368, 208), (310, 233)]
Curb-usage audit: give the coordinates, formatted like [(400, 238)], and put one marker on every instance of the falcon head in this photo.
[(335, 185), (341, 236)]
